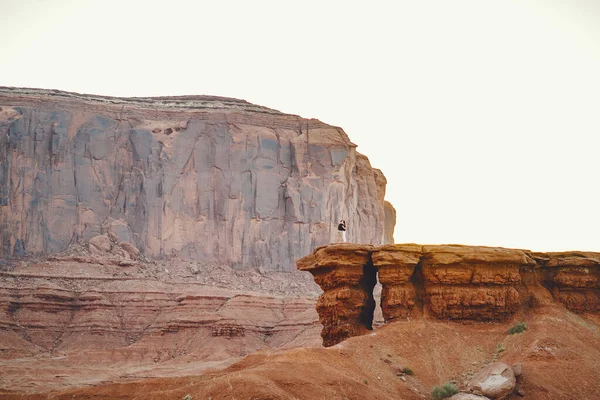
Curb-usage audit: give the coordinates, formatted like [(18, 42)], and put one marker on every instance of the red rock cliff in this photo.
[(443, 282), (204, 178)]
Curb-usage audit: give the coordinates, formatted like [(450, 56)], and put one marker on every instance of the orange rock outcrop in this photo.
[(346, 275), (444, 282)]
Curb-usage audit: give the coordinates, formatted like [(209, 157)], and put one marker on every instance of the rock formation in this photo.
[(347, 278), (443, 282), (203, 178), (390, 222), (85, 317), (467, 396), (495, 381)]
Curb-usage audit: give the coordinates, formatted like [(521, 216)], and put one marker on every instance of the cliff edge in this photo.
[(202, 178)]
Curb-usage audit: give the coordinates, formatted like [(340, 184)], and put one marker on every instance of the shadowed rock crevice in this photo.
[(367, 283), (418, 282)]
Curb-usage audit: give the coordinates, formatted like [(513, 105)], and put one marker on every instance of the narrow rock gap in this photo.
[(367, 283), (418, 281)]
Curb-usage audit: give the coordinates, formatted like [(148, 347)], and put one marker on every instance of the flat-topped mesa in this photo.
[(445, 282), (202, 178)]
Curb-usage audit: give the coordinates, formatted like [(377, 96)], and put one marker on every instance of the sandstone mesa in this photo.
[(197, 177)]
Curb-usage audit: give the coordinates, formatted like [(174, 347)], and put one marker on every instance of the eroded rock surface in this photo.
[(445, 282), (84, 319), (344, 273), (197, 177), (495, 381), (573, 278), (467, 396)]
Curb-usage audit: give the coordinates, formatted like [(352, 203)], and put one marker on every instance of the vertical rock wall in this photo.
[(202, 178), (347, 278)]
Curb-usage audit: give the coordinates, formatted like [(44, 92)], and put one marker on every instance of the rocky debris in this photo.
[(130, 250), (495, 381), (99, 244), (199, 178), (444, 282)]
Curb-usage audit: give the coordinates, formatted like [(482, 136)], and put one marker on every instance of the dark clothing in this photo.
[(341, 227)]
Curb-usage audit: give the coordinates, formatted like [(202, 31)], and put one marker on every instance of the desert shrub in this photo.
[(407, 371), (500, 348), (518, 328), (442, 392)]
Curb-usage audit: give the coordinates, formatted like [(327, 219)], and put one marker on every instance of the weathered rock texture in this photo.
[(203, 178), (390, 222), (573, 278), (85, 319), (444, 282), (495, 381), (347, 279)]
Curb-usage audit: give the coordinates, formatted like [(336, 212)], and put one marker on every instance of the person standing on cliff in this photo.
[(342, 231)]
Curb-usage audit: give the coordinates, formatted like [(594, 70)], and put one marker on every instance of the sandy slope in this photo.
[(560, 354)]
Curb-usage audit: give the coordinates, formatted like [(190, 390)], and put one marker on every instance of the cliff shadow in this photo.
[(418, 281), (367, 283)]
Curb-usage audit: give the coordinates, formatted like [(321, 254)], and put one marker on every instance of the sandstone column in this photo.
[(347, 277)]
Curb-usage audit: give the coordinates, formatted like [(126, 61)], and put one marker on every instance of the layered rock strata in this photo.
[(81, 318), (347, 278), (443, 282), (573, 278), (197, 177)]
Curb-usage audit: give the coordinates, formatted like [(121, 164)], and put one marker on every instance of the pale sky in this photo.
[(483, 115)]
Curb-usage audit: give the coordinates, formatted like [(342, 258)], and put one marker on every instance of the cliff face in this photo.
[(444, 282), (203, 178)]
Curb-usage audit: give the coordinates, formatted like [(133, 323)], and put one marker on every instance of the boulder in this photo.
[(99, 244), (517, 369), (496, 381), (130, 249), (467, 396)]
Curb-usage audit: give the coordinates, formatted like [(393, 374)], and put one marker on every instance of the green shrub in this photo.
[(408, 371), (518, 328), (442, 392)]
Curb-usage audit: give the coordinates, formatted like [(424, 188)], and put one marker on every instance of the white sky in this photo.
[(483, 115)]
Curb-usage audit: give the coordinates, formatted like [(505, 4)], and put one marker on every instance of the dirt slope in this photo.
[(560, 354)]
